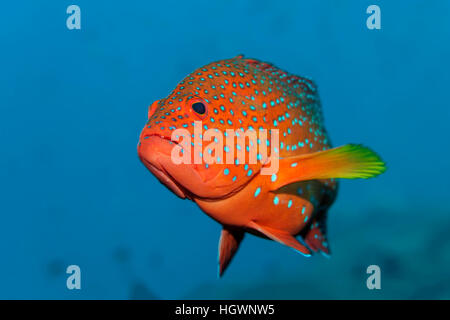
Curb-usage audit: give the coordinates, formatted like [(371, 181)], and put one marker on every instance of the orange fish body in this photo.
[(248, 96)]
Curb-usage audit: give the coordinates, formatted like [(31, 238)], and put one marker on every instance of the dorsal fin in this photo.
[(305, 84)]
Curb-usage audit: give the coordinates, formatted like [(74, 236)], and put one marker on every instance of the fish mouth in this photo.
[(184, 180), (160, 136), (154, 150)]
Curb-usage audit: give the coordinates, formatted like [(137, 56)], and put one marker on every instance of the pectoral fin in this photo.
[(228, 245), (280, 236), (350, 161)]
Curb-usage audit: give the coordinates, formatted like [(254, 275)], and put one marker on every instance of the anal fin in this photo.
[(316, 234), (228, 245), (280, 236), (316, 239)]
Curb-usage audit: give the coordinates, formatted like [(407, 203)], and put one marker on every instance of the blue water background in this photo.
[(72, 190)]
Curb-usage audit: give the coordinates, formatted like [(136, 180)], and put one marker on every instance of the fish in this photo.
[(287, 204)]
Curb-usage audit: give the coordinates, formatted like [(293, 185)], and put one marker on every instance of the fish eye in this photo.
[(199, 107)]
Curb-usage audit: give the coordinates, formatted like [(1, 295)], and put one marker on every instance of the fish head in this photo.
[(203, 119)]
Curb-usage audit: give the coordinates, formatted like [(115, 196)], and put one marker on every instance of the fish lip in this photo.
[(164, 175), (157, 169), (162, 137)]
